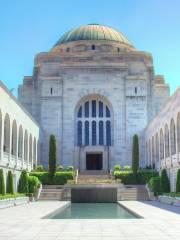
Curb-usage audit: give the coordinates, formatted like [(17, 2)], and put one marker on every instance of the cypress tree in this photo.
[(10, 183), (23, 182), (178, 181), (135, 154), (165, 185), (2, 186), (52, 156)]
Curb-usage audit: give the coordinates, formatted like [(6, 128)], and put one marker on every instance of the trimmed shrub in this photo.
[(10, 183), (33, 184), (165, 185), (15, 195), (117, 168), (70, 168), (39, 168), (127, 167), (2, 185), (141, 177), (178, 181), (60, 178), (23, 182), (135, 154), (52, 155), (155, 185), (59, 168)]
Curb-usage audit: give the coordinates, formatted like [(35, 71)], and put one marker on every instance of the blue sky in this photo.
[(30, 27)]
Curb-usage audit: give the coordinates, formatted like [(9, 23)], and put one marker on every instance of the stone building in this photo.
[(19, 135), (162, 136), (93, 90)]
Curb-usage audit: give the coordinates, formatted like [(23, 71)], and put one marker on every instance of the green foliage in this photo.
[(60, 178), (7, 196), (126, 167), (155, 184), (2, 186), (135, 154), (39, 168), (60, 168), (70, 168), (23, 182), (165, 185), (172, 194), (141, 177), (178, 181), (52, 156), (117, 168), (33, 184), (10, 183)]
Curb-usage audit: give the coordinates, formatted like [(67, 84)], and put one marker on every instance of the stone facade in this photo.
[(111, 72), (162, 136), (19, 136)]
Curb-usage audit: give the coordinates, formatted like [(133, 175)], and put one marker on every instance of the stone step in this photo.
[(93, 172)]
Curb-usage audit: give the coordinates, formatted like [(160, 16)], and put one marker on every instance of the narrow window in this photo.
[(100, 109), (118, 49), (51, 91), (67, 49), (93, 133), (108, 133), (79, 140), (93, 47), (86, 133), (107, 112), (80, 112), (87, 109), (93, 108), (135, 90), (101, 133)]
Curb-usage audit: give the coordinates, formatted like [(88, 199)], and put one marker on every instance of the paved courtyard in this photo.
[(25, 222)]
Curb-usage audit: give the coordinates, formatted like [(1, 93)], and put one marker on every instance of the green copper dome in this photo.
[(93, 32)]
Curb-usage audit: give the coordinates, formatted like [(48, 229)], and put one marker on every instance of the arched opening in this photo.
[(30, 149), (26, 146), (166, 141), (14, 139), (93, 123), (7, 134), (173, 137), (178, 131), (161, 144), (157, 147), (20, 142), (93, 47), (34, 152)]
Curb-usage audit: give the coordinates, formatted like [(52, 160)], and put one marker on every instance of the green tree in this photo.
[(2, 186), (52, 156), (23, 182), (178, 181), (165, 185), (10, 183), (135, 154)]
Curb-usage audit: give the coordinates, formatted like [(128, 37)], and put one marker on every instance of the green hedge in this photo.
[(165, 184), (178, 181), (60, 178), (2, 185), (141, 177), (172, 194), (33, 184), (10, 183), (23, 182), (155, 184), (6, 196)]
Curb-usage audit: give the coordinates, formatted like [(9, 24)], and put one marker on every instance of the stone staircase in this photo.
[(95, 176), (54, 192), (131, 192)]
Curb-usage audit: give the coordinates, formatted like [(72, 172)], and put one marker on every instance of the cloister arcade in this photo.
[(17, 144)]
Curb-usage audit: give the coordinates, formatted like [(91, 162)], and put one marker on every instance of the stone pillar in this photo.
[(2, 139)]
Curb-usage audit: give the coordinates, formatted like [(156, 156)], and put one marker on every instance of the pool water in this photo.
[(93, 211)]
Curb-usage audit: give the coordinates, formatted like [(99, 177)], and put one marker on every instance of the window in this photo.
[(86, 109), (93, 47), (135, 90), (51, 91), (86, 133), (79, 133), (67, 49), (93, 108), (100, 109), (118, 49), (93, 123), (101, 133), (93, 133)]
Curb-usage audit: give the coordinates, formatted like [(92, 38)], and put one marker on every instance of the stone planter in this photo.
[(10, 202), (169, 200)]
